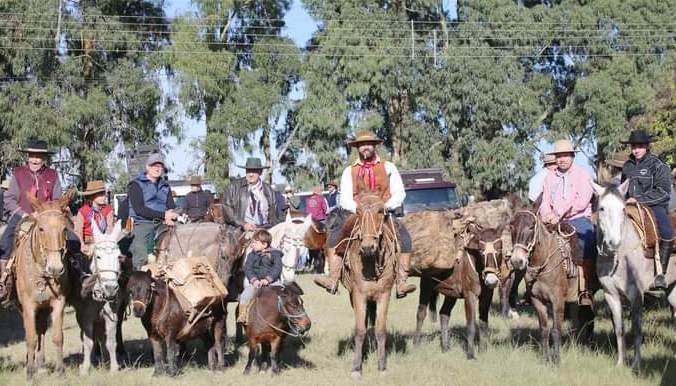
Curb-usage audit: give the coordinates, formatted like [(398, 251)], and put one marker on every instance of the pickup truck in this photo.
[(427, 190)]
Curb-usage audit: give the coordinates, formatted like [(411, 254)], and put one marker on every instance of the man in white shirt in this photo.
[(378, 176), (536, 183)]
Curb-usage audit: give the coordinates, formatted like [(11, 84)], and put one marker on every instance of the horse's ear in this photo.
[(308, 219), (96, 230), (35, 203), (624, 188), (116, 234), (65, 199), (288, 216), (598, 189)]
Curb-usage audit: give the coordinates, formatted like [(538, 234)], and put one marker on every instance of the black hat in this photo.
[(253, 163), (36, 146), (638, 137)]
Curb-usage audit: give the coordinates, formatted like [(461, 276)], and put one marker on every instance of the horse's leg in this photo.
[(541, 310), (471, 308), (58, 306), (636, 308), (111, 339), (557, 313), (29, 316), (444, 316), (158, 355), (381, 329), (264, 357), (359, 305), (613, 301), (253, 352), (41, 325), (424, 298), (173, 350), (485, 298), (87, 338), (506, 306), (275, 349), (120, 351), (219, 334)]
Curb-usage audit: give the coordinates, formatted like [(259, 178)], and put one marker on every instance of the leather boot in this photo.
[(660, 282), (404, 288), (330, 282), (587, 280), (243, 314)]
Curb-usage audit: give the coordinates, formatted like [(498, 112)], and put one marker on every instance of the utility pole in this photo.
[(412, 41), (57, 36)]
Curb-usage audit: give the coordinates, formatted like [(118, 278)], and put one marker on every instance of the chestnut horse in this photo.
[(42, 280), (369, 262)]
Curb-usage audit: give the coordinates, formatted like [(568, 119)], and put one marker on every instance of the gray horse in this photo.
[(623, 271)]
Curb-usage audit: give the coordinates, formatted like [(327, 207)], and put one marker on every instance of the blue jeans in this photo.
[(663, 222), (586, 238)]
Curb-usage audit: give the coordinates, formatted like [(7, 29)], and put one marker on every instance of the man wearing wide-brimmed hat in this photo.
[(197, 202), (614, 166), (567, 198), (538, 180), (650, 185), (379, 176), (95, 212), (35, 178), (151, 206), (333, 195), (249, 202)]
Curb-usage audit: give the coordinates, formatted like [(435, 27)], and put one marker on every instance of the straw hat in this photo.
[(364, 136), (195, 180), (549, 159), (94, 187), (563, 146), (618, 159)]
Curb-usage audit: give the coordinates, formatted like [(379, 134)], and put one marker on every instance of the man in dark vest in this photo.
[(150, 206), (249, 202), (35, 178), (650, 185), (380, 176), (333, 195), (196, 202)]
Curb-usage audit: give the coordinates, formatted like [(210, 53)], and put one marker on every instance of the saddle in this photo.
[(643, 219)]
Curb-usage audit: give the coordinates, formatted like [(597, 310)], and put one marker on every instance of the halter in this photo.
[(529, 248), (41, 249), (291, 242), (489, 249), (365, 218), (536, 270), (97, 294)]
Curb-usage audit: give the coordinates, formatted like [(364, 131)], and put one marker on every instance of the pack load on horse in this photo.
[(168, 326), (625, 267), (96, 294), (473, 275), (195, 283)]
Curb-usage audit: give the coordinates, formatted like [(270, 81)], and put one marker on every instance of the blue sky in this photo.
[(299, 27)]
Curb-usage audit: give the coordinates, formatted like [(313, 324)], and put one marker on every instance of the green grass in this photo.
[(510, 358)]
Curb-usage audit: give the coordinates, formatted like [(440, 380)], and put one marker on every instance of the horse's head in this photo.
[(49, 234), (140, 288), (370, 219), (105, 264), (291, 307), (524, 227), (611, 212), (216, 213), (488, 244)]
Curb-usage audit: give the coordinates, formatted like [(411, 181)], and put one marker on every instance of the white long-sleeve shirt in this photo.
[(397, 192)]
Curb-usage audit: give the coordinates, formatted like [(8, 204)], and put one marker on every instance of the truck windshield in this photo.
[(432, 198)]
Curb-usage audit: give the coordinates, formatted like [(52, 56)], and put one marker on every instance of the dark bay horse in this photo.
[(369, 249), (276, 312), (167, 324), (42, 280), (476, 272), (539, 252)]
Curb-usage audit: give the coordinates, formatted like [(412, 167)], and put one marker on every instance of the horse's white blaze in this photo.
[(105, 260), (289, 238)]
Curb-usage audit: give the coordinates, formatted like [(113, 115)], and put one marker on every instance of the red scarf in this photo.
[(366, 171)]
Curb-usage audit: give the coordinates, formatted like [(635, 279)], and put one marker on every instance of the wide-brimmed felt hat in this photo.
[(195, 180), (562, 146), (618, 159), (638, 137), (364, 136), (253, 163), (94, 187), (549, 159), (36, 146)]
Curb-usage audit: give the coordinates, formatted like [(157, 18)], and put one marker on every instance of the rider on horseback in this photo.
[(650, 185), (34, 178), (567, 198), (95, 210), (197, 202), (380, 176)]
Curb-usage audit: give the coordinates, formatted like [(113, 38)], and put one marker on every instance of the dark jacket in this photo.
[(649, 180), (196, 204), (282, 207), (262, 265), (236, 200)]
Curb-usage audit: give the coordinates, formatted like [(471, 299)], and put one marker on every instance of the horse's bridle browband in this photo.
[(529, 248)]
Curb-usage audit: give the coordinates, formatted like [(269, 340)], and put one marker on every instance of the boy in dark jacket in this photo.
[(263, 267)]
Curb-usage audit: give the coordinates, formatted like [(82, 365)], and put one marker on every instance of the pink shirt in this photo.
[(570, 193)]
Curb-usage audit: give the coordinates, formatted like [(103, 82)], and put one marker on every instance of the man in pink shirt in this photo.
[(567, 197), (316, 205)]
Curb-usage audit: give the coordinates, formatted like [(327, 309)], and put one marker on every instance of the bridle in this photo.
[(528, 248), (367, 219), (97, 293), (42, 251)]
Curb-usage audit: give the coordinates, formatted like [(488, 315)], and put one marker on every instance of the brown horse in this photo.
[(538, 251), (167, 325), (369, 249), (275, 313), (42, 281), (473, 278), (315, 241)]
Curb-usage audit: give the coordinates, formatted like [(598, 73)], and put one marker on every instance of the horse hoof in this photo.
[(247, 371), (356, 375)]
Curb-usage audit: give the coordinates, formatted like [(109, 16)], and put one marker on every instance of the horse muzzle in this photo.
[(110, 290), (138, 308), (303, 325), (54, 271), (519, 260), (491, 280)]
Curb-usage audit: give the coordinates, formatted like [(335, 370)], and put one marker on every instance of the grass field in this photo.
[(510, 358)]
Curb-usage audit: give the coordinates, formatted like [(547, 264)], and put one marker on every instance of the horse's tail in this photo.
[(370, 313)]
